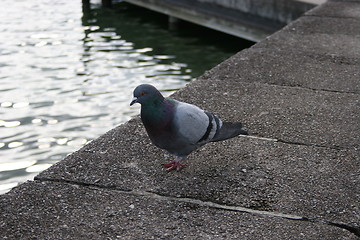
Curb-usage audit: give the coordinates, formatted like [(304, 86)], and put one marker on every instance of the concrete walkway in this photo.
[(296, 177)]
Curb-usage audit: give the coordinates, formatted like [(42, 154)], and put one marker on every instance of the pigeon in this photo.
[(179, 127)]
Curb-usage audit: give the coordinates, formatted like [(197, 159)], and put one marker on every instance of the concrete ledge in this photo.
[(295, 177), (252, 173), (283, 11), (281, 67), (251, 20), (77, 212)]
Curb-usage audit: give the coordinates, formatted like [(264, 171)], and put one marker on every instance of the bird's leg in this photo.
[(175, 164)]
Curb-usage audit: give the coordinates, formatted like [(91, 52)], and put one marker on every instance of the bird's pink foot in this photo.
[(174, 165)]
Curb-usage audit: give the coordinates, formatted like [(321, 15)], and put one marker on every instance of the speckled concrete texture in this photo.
[(296, 176), (281, 67), (252, 173), (77, 212)]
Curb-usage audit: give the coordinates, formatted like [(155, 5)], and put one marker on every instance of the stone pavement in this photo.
[(297, 175)]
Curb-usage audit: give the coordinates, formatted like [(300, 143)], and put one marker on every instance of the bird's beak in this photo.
[(134, 100)]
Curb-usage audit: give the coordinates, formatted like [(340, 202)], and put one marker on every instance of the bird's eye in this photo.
[(142, 93)]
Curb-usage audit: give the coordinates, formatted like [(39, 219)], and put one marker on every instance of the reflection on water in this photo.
[(68, 78)]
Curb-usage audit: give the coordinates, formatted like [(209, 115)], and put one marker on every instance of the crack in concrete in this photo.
[(311, 144), (353, 229), (292, 142), (331, 90), (214, 205), (259, 138), (356, 92)]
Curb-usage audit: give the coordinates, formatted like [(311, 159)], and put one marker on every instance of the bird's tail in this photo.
[(229, 130)]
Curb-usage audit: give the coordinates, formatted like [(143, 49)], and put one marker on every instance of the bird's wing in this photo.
[(194, 124)]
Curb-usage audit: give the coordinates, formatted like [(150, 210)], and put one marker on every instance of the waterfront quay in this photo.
[(296, 176)]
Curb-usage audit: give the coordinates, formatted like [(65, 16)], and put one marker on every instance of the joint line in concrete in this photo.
[(292, 142), (353, 229)]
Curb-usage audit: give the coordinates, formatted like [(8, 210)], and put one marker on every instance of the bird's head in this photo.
[(145, 93)]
